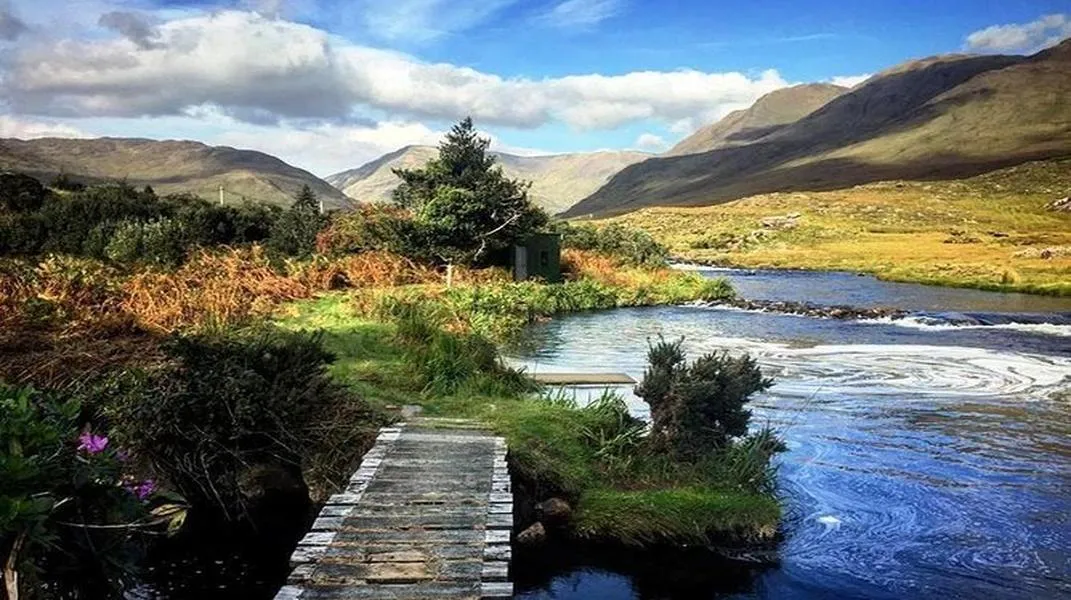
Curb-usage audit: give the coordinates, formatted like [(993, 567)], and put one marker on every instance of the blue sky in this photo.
[(329, 84)]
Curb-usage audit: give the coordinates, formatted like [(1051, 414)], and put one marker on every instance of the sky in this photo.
[(328, 85)]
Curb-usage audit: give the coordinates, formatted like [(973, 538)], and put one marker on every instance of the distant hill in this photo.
[(168, 166), (938, 118), (558, 181), (767, 115)]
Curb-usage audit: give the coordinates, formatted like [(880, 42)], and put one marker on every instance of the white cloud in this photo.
[(650, 141), (328, 148), (1022, 37), (581, 13), (13, 127), (683, 127), (261, 69), (849, 81)]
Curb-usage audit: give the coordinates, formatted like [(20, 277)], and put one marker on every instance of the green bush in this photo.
[(372, 227), (119, 222), (21, 233), (20, 193), (632, 246), (66, 498), (294, 232), (161, 242), (227, 404), (697, 408)]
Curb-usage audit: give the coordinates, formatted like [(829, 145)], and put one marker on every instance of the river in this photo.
[(928, 456)]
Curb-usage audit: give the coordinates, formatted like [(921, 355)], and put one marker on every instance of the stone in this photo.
[(555, 512), (535, 535), (1063, 204)]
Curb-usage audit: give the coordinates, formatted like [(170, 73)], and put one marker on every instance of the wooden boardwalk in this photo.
[(428, 515)]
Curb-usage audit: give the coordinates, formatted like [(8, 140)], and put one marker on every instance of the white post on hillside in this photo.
[(449, 274), (221, 194)]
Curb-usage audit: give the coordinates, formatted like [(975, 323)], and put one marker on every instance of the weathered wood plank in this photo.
[(428, 514), (583, 378)]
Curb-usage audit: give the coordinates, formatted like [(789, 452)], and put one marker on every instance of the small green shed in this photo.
[(539, 257)]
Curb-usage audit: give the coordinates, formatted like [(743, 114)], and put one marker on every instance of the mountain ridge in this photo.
[(558, 180), (169, 166), (941, 117), (764, 117)]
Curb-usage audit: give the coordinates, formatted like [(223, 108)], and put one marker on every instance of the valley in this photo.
[(998, 231)]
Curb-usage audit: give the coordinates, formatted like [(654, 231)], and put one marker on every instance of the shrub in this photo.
[(229, 404), (21, 193), (367, 269), (370, 228), (21, 233), (696, 408), (70, 218), (212, 290), (64, 182), (66, 500), (630, 246), (294, 232), (60, 291)]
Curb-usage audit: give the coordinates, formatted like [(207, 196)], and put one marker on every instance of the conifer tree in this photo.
[(464, 206)]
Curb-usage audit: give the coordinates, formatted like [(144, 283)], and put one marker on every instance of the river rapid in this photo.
[(929, 456)]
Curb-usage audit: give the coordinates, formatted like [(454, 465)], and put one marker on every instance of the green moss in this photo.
[(647, 517)]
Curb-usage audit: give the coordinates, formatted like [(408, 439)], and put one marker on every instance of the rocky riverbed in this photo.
[(808, 309)]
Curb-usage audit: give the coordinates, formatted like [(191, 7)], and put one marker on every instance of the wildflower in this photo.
[(93, 444), (143, 489)]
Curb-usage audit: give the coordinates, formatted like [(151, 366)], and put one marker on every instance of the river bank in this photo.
[(1001, 231), (590, 457)]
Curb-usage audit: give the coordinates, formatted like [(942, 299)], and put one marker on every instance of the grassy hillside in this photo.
[(935, 119), (558, 181), (991, 231), (766, 116), (168, 166)]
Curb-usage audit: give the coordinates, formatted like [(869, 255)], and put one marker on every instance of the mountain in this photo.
[(558, 181), (768, 114), (168, 166), (939, 118)]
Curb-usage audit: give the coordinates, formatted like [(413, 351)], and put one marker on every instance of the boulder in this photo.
[(1062, 205), (555, 512), (535, 535)]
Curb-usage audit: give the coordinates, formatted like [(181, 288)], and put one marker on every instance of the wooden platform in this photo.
[(583, 378), (429, 514)]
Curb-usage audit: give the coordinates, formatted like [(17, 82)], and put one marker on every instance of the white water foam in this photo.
[(919, 323), (697, 267), (924, 324), (905, 370)]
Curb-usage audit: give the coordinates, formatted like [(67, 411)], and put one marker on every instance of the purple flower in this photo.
[(93, 444), (142, 490)]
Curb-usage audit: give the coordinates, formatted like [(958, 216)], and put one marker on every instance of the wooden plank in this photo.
[(583, 378), (427, 515)]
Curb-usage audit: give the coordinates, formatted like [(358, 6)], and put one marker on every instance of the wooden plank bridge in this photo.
[(428, 514)]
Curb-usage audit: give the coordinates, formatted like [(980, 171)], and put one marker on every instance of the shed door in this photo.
[(520, 263)]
